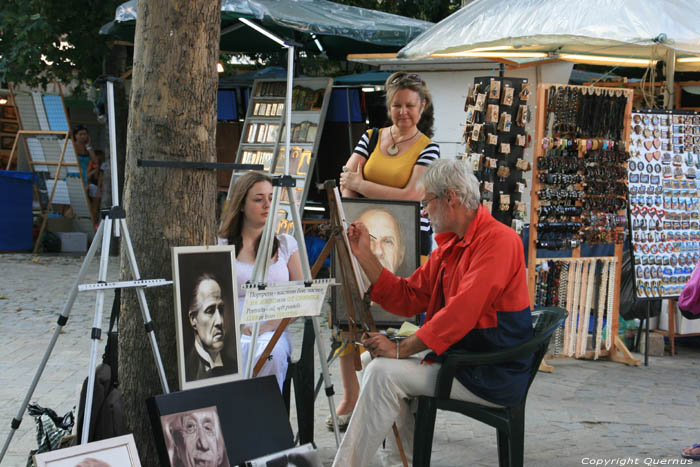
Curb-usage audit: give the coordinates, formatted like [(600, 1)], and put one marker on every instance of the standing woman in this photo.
[(402, 153), (242, 225)]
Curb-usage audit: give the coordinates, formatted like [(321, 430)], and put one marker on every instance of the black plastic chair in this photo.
[(509, 421), (301, 374)]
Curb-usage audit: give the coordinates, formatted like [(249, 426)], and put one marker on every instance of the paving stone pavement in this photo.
[(586, 411)]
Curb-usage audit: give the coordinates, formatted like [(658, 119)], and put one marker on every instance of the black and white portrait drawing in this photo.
[(208, 340), (195, 438), (119, 451)]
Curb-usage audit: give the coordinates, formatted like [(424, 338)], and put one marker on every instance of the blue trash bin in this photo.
[(16, 210)]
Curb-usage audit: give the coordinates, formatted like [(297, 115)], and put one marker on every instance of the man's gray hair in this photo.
[(195, 306), (456, 175)]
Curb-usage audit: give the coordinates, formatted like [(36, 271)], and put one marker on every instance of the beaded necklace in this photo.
[(601, 308), (611, 283)]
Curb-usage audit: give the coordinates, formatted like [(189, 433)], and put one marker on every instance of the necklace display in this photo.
[(394, 149), (585, 287)]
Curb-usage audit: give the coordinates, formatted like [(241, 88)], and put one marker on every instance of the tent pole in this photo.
[(347, 100), (288, 108), (669, 95)]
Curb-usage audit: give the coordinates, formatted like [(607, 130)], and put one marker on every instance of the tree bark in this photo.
[(172, 116)]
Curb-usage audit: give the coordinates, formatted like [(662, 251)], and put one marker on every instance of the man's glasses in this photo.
[(424, 204), (406, 77)]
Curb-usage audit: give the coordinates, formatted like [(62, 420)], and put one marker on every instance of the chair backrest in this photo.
[(544, 322)]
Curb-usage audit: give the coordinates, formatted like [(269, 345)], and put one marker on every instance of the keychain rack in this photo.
[(565, 133)]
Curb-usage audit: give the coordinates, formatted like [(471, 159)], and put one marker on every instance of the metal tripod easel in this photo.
[(113, 220), (265, 248)]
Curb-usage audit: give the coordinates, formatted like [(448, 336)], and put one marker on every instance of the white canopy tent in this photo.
[(601, 32)]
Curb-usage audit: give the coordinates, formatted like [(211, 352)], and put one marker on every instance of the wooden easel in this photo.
[(354, 294), (618, 351)]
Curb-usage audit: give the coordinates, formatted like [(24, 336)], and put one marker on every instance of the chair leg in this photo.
[(304, 399), (511, 445), (517, 436), (503, 441), (304, 386), (425, 427), (286, 387)]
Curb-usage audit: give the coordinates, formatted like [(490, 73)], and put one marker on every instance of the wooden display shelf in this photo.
[(618, 351)]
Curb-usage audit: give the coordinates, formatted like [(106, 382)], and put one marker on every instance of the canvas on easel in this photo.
[(395, 228)]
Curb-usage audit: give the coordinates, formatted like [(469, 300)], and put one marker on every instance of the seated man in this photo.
[(473, 289)]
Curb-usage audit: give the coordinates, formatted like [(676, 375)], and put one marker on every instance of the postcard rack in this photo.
[(579, 192)]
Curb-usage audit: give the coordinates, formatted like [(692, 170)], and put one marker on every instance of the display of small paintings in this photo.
[(395, 226), (195, 437), (304, 455), (268, 109), (265, 129), (304, 132), (113, 452), (299, 160), (261, 157), (206, 318), (262, 133)]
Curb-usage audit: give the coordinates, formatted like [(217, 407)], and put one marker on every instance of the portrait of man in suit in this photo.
[(207, 331)]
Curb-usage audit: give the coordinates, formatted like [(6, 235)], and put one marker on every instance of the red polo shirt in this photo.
[(474, 293)]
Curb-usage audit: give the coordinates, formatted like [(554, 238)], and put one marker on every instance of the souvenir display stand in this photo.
[(262, 141), (497, 114), (45, 135), (579, 195), (664, 224)]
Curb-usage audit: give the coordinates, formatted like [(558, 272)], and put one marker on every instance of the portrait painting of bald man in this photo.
[(119, 451), (394, 227), (194, 438), (208, 339)]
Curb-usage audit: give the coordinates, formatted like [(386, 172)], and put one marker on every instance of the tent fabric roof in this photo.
[(370, 77), (602, 27), (359, 28)]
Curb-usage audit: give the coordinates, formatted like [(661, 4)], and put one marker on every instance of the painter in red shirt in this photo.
[(473, 289)]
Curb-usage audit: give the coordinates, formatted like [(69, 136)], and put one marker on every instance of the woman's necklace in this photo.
[(394, 149)]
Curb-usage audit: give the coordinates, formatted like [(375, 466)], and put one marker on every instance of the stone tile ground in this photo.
[(583, 412)]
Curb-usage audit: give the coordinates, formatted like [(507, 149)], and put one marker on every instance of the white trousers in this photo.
[(277, 362), (388, 386)]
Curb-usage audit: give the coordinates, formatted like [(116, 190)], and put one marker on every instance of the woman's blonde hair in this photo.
[(232, 218), (402, 80)]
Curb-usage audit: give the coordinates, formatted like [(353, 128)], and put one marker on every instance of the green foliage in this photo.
[(427, 10), (64, 33)]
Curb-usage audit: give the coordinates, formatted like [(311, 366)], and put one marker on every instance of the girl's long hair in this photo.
[(232, 218)]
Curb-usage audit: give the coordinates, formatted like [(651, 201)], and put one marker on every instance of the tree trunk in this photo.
[(172, 116)]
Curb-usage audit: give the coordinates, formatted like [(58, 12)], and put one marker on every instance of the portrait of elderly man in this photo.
[(195, 439), (473, 291), (206, 316), (386, 239)]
